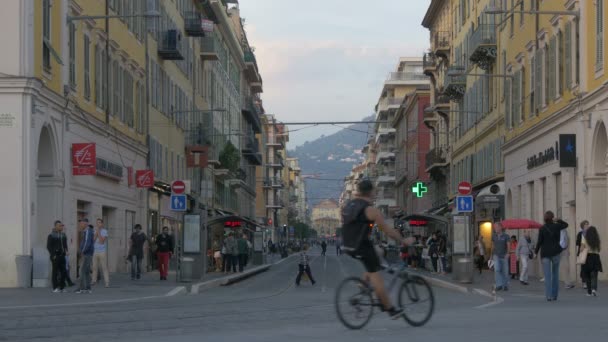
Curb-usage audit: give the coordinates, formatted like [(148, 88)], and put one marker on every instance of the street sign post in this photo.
[(464, 204), (464, 188), (178, 187), (178, 203)]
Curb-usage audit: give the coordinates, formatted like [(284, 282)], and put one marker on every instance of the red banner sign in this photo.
[(129, 176), (233, 224), (144, 178), (83, 159)]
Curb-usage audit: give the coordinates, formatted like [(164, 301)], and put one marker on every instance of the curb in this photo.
[(176, 291), (460, 288), (224, 281)]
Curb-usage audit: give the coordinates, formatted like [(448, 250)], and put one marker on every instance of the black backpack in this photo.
[(354, 224)]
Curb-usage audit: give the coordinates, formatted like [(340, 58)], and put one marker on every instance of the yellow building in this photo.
[(326, 217)]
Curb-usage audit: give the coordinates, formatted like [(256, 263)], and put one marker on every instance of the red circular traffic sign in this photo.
[(178, 187), (464, 188)]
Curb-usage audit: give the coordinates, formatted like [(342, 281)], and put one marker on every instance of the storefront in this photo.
[(222, 225), (489, 208)]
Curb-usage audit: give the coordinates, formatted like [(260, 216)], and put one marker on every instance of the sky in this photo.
[(326, 60)]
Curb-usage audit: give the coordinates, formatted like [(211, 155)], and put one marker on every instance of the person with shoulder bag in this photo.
[(550, 253), (589, 257)]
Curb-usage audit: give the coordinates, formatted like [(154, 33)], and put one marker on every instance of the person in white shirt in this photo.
[(100, 257), (524, 248)]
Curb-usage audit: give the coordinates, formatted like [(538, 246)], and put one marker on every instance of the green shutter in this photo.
[(568, 56), (599, 36)]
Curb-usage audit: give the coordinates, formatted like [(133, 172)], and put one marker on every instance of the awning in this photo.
[(427, 217), (226, 218)]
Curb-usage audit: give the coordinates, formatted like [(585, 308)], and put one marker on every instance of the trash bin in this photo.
[(463, 269), (186, 269), (24, 270)]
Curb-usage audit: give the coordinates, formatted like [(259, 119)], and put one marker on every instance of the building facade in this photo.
[(326, 218)]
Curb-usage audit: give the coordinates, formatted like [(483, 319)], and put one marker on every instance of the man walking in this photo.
[(550, 250), (323, 247), (87, 248), (232, 252), (136, 251), (243, 249), (164, 250), (57, 245), (524, 249), (500, 249), (99, 257)]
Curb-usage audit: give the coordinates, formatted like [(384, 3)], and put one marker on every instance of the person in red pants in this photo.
[(164, 250)]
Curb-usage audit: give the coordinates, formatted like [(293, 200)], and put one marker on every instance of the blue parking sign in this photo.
[(464, 204), (178, 203)]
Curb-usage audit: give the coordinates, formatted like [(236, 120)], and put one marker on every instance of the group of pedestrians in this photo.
[(552, 246), (92, 254), (233, 253)]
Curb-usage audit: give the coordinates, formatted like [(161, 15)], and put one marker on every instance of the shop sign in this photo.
[(546, 156), (233, 224), (144, 178), (207, 25), (83, 159), (108, 169), (567, 150), (418, 222)]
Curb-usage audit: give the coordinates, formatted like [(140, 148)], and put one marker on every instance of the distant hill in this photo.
[(332, 158)]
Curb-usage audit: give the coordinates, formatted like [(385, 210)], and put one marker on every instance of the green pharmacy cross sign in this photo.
[(419, 189)]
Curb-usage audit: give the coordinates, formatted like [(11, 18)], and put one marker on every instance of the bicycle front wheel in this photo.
[(417, 301), (354, 303)]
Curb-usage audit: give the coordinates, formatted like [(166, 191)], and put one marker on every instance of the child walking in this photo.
[(303, 266)]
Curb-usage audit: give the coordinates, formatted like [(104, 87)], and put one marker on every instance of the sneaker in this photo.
[(88, 291), (79, 291), (524, 282), (570, 286), (64, 291), (56, 290), (594, 293), (506, 288), (588, 294), (498, 288), (542, 280), (585, 286), (395, 313), (549, 299)]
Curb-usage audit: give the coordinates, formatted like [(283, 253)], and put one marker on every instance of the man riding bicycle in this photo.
[(357, 216)]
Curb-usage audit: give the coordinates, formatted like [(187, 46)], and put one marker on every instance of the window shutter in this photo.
[(539, 80), (98, 76), (599, 36), (532, 85), (559, 78), (568, 56), (552, 74), (514, 98), (508, 107)]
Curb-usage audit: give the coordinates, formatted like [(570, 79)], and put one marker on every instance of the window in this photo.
[(46, 34), (98, 77), (545, 75), (599, 36), (512, 19), (141, 112), (550, 73), (87, 67), (577, 69), (72, 45), (560, 64)]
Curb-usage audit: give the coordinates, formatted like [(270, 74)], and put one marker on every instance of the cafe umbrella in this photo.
[(520, 224)]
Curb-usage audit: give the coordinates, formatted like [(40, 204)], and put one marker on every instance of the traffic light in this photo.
[(371, 226), (270, 222)]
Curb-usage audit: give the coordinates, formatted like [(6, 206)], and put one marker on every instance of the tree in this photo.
[(230, 158), (302, 230)]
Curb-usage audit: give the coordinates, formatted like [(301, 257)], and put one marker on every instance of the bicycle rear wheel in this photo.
[(417, 301), (354, 303)]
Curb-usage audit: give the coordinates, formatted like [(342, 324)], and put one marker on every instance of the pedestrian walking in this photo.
[(87, 248), (304, 266), (500, 249), (550, 253), (136, 251), (513, 257), (579, 237), (57, 245), (243, 250), (433, 245), (442, 251), (590, 258), (524, 254), (164, 251), (99, 256), (217, 256), (232, 252), (323, 247), (338, 247), (480, 252)]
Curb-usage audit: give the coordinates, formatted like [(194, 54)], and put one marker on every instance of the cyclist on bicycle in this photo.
[(358, 215)]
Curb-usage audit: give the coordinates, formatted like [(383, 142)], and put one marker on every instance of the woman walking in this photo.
[(550, 250), (524, 250), (480, 253), (591, 245), (513, 257)]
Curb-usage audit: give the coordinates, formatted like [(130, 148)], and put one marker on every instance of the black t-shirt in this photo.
[(137, 243)]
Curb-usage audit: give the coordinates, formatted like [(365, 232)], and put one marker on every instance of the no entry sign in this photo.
[(178, 187), (464, 188)]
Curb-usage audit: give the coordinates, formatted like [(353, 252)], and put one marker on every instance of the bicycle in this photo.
[(364, 297)]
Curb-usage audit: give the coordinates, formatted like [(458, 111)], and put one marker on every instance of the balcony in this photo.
[(389, 103), (170, 44), (441, 43), (250, 113), (384, 134), (273, 183), (193, 24), (275, 142), (277, 162), (209, 48), (436, 157), (385, 156), (455, 83), (251, 150), (208, 9), (482, 46), (386, 178), (405, 78), (429, 63), (251, 72), (276, 204)]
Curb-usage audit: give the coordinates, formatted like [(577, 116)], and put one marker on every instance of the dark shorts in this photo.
[(367, 255)]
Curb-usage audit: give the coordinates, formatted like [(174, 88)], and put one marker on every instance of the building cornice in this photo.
[(431, 13)]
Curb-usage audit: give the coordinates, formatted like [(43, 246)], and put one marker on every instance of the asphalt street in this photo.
[(269, 307)]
